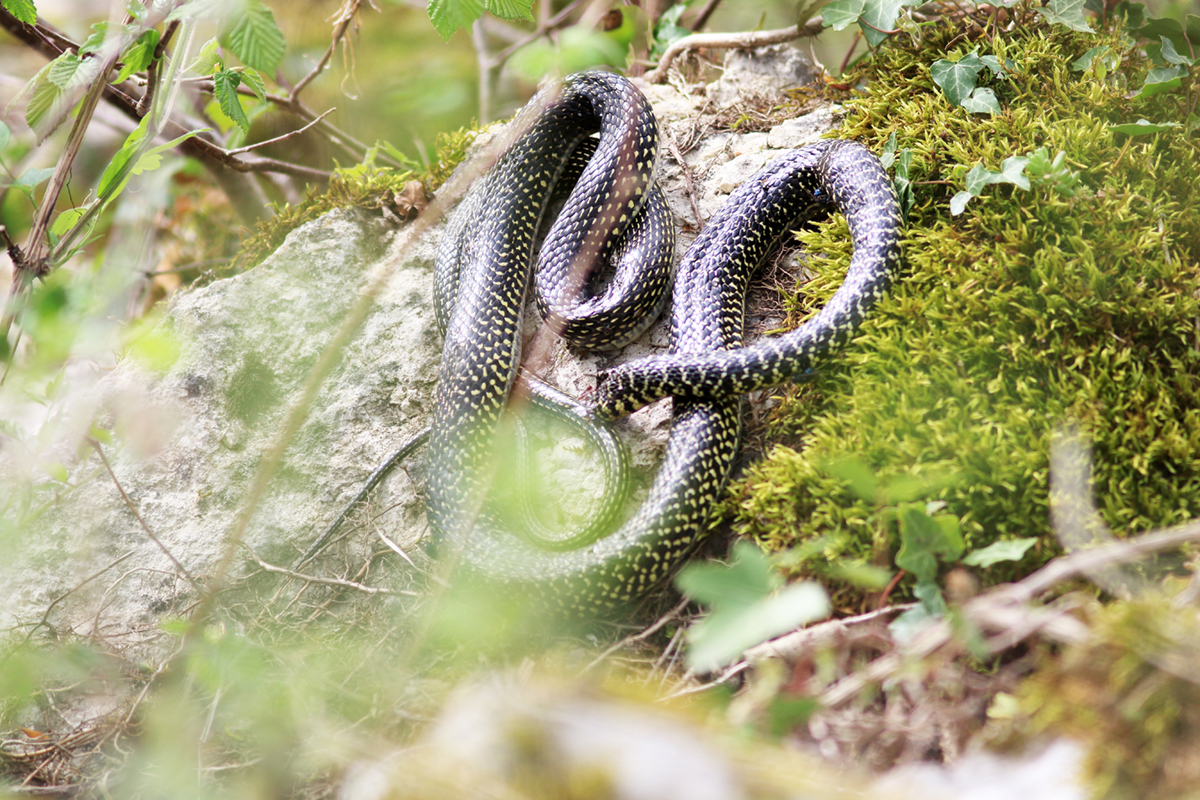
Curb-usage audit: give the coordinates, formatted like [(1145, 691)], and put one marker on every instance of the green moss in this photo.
[(360, 187), (1027, 311)]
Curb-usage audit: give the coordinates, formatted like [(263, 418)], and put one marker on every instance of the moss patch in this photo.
[(1027, 311), (359, 187)]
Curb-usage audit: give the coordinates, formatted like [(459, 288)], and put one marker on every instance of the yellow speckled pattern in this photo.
[(483, 269)]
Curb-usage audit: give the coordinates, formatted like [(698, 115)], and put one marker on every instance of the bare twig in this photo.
[(104, 459), (702, 16), (72, 590), (327, 581), (152, 73), (731, 40), (637, 637), (342, 23), (277, 139)]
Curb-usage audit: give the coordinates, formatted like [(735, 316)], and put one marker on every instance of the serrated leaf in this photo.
[(55, 89), (255, 38), (95, 39), (208, 60), (982, 101), (138, 55), (448, 16), (1007, 550), (511, 9), (1068, 13), (1143, 127), (255, 82), (841, 13), (745, 610), (225, 83), (22, 10)]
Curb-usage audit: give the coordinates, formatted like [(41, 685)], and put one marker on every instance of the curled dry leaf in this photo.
[(411, 200)]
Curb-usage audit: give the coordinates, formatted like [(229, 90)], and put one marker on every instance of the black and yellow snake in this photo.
[(615, 210)]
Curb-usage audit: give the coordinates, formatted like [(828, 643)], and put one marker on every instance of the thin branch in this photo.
[(702, 18), (153, 71), (72, 590), (637, 637), (339, 31), (328, 581), (557, 21), (104, 460), (731, 40), (277, 139)]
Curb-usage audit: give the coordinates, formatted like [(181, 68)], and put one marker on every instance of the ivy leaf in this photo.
[(1171, 55), (668, 31), (957, 78), (225, 83), (1008, 550), (1162, 79), (22, 10), (511, 9), (448, 16), (138, 55), (841, 13), (923, 538), (1143, 127), (982, 101), (1068, 13), (255, 38), (879, 16), (746, 609)]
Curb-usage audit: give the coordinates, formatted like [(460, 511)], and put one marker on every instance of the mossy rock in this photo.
[(1028, 312)]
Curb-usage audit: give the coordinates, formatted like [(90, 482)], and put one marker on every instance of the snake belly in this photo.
[(480, 285)]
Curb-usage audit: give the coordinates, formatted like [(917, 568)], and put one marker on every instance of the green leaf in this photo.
[(5, 135), (129, 160), (511, 9), (957, 78), (1143, 127), (879, 16), (668, 31), (1171, 56), (448, 16), (982, 101), (208, 60), (255, 82), (31, 179), (22, 10), (255, 38), (225, 83), (1068, 13), (745, 610), (95, 39), (1162, 79), (958, 203), (841, 13), (923, 538), (55, 89), (66, 220), (1007, 550), (138, 55)]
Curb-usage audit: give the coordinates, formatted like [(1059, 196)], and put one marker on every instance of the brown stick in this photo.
[(732, 40)]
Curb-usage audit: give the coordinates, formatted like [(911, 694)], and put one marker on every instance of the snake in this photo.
[(595, 134)]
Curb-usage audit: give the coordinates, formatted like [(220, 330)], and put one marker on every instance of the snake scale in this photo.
[(615, 211)]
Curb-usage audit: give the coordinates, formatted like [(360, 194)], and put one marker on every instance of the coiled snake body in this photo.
[(481, 277)]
